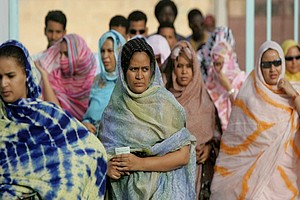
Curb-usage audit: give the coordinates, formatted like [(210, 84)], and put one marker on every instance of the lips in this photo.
[(273, 76), (184, 79), (5, 93), (106, 63), (139, 84)]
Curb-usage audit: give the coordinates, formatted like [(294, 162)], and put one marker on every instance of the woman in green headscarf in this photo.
[(146, 118)]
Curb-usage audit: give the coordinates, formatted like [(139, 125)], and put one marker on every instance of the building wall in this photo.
[(90, 18)]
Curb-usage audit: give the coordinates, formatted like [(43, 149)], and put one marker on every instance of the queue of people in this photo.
[(148, 116)]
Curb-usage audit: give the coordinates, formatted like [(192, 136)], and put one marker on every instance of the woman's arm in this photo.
[(168, 162), (48, 92)]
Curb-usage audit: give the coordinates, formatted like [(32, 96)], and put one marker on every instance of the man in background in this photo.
[(55, 29), (137, 24), (119, 23)]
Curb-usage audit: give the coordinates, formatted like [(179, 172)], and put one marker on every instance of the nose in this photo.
[(183, 69), (3, 82), (139, 74), (273, 68), (55, 36)]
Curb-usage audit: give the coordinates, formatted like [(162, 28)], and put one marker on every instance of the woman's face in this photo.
[(108, 56), (183, 70), (63, 49), (12, 80), (218, 63), (138, 74), (292, 60), (271, 66)]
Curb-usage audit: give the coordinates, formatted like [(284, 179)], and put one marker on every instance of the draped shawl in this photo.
[(104, 82), (199, 108), (71, 85), (152, 122), (235, 76), (194, 97), (46, 149), (259, 155)]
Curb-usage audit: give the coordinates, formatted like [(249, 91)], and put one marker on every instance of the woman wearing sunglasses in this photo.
[(291, 50), (260, 149)]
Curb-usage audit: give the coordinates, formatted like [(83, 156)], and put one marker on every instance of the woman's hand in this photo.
[(128, 162), (224, 81), (202, 153), (112, 170), (90, 127), (43, 72), (287, 87)]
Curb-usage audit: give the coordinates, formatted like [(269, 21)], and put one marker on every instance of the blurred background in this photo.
[(90, 19)]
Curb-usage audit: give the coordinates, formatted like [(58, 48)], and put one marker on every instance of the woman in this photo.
[(156, 158), (183, 79), (44, 152), (291, 50), (259, 155), (110, 44), (71, 67), (224, 80)]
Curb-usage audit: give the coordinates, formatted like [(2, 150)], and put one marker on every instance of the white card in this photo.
[(122, 150)]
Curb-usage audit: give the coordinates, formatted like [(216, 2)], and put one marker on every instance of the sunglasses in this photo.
[(268, 64), (290, 58), (133, 31)]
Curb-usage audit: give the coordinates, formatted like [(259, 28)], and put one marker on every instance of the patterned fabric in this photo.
[(72, 79), (46, 152), (286, 45), (220, 34), (104, 83), (151, 123), (231, 70), (196, 102), (259, 155)]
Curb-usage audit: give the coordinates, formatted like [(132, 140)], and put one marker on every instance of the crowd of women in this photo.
[(155, 123)]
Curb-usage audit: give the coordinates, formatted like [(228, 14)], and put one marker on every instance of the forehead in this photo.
[(270, 54), (63, 46), (197, 19), (53, 25), (293, 50), (108, 43), (140, 59), (10, 64), (137, 24), (167, 10)]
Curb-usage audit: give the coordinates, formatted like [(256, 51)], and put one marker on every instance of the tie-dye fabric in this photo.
[(71, 82), (104, 83), (151, 123), (259, 155), (44, 151)]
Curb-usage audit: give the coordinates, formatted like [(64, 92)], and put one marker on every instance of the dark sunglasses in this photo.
[(268, 64), (290, 58), (133, 31)]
